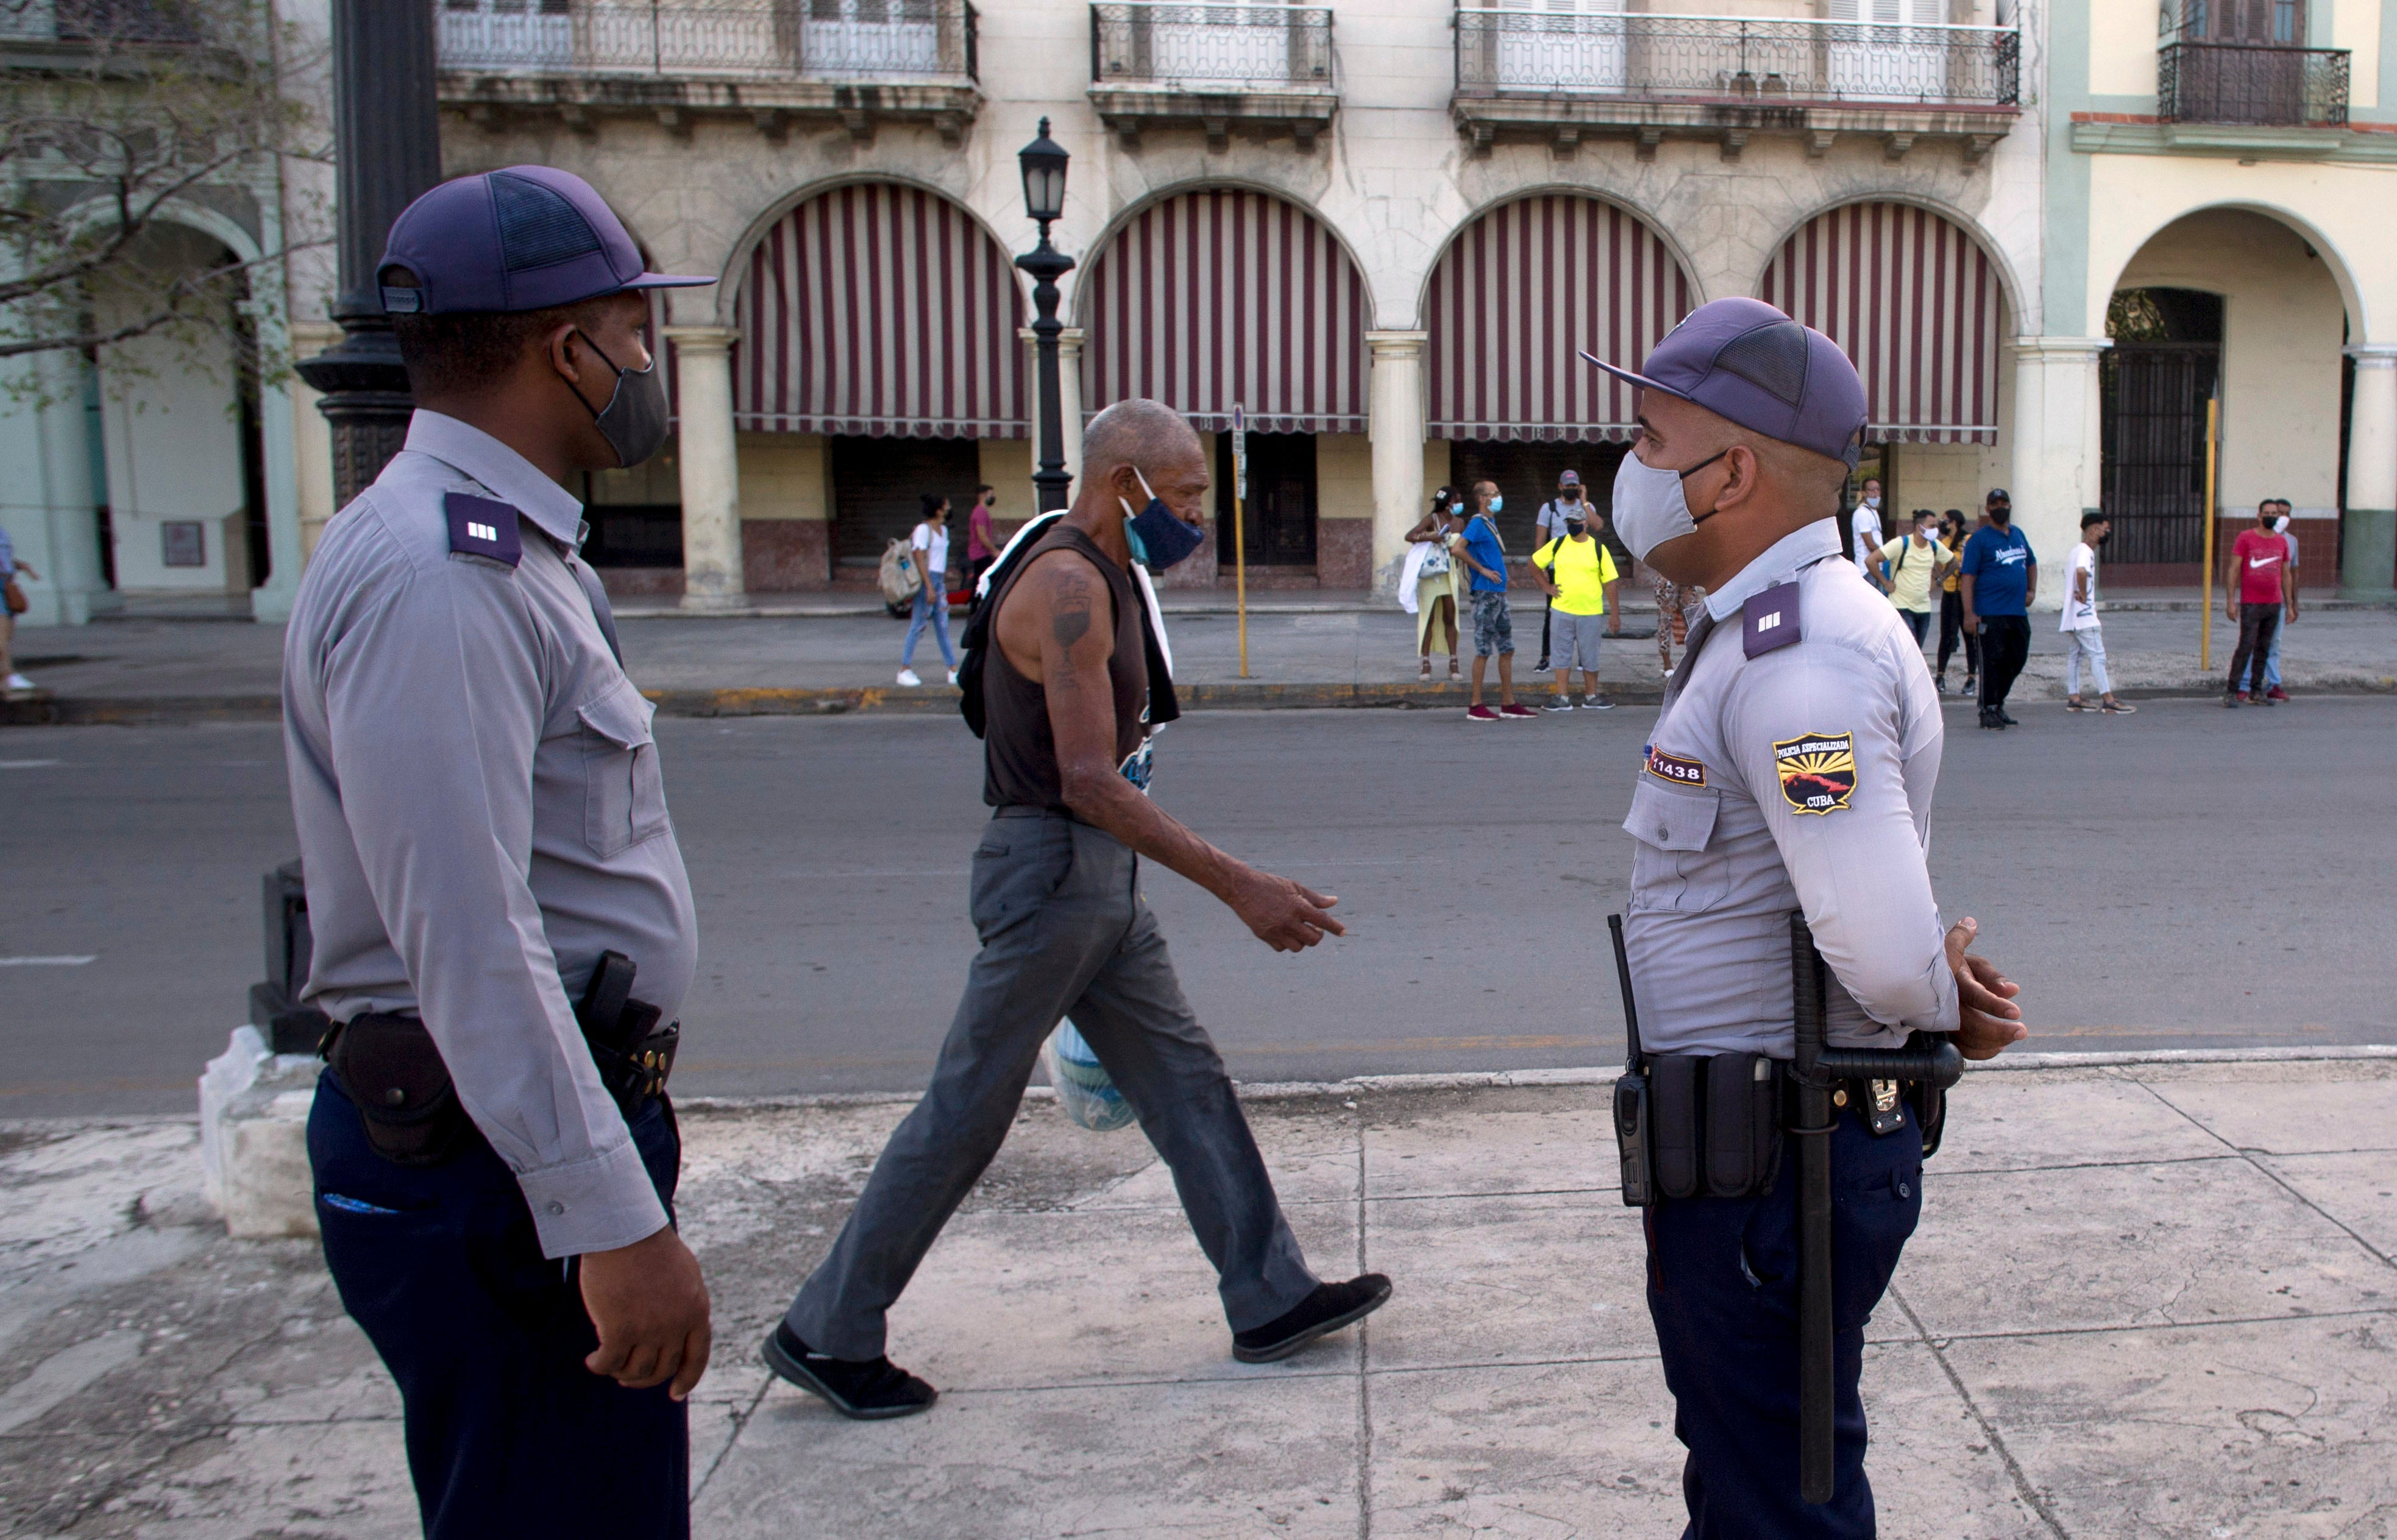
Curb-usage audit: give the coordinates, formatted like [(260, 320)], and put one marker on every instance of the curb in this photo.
[(1597, 1075)]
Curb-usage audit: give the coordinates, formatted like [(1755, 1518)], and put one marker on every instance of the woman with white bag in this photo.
[(1427, 583)]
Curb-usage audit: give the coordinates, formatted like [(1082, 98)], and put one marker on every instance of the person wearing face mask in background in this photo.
[(1549, 524), (1864, 527), (1484, 556), (1951, 608), (2273, 690), (1074, 679), (486, 842), (1427, 583), (2083, 637), (1790, 767), (1999, 578)]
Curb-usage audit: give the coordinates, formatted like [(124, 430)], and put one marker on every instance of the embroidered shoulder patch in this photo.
[(1673, 768), (1817, 771), (481, 526), (1769, 620)]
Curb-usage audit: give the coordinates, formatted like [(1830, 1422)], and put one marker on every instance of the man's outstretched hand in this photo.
[(1990, 1023), (1285, 915)]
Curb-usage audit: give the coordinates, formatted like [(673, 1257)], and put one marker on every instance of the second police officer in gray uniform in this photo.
[(1791, 768), (502, 926)]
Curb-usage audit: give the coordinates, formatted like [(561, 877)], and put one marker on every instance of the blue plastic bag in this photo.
[(1084, 1088)]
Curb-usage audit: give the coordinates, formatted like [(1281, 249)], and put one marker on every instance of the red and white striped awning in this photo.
[(1207, 298), (879, 310), (1521, 291), (1915, 301)]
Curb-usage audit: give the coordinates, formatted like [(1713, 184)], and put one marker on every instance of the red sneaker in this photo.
[(2276, 693), (1481, 713), (1516, 712)]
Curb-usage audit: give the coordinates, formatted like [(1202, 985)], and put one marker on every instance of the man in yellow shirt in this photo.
[(1914, 562), (1578, 573)]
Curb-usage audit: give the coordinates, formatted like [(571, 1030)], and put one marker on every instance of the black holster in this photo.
[(393, 1070), (1713, 1125)]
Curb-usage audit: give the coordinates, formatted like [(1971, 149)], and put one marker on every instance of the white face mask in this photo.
[(2281, 525), (1497, 503), (1872, 500), (1650, 507)]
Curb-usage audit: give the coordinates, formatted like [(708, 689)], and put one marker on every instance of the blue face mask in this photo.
[(1497, 503), (1158, 538)]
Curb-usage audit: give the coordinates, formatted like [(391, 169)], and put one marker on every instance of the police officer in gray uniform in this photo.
[(1791, 768), (486, 844)]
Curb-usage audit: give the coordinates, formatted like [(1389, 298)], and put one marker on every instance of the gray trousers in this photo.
[(1065, 932)]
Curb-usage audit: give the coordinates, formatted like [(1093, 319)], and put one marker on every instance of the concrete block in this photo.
[(254, 1139)]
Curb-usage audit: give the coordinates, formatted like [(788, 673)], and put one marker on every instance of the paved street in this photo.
[(2191, 877)]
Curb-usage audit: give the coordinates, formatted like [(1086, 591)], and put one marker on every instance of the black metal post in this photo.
[(1046, 264), (387, 149)]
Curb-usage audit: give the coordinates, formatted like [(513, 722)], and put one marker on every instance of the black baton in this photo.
[(1930, 1058), (1630, 1086)]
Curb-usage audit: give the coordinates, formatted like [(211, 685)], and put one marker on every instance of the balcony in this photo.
[(857, 62), (1266, 69), (1564, 77), (2256, 84)]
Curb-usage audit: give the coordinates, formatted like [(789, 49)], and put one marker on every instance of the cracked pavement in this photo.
[(2150, 1298)]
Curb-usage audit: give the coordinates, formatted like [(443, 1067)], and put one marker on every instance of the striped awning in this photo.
[(1212, 298), (1520, 291), (1915, 301), (879, 310)]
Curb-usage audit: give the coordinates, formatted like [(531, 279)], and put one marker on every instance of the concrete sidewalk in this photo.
[(177, 671), (2151, 1298)]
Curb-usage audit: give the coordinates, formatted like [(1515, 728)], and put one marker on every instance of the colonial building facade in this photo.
[(2047, 231)]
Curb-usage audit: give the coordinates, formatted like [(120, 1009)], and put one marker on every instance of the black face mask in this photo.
[(634, 421)]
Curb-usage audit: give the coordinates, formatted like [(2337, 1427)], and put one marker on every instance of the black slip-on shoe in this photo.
[(2006, 719), (1331, 1306), (868, 1389)]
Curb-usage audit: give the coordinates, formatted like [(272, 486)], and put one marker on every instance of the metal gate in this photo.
[(2152, 434)]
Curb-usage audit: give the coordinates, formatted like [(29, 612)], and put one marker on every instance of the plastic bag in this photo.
[(1084, 1089)]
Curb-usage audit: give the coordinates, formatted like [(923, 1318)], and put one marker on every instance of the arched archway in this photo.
[(883, 310), (1916, 302), (1522, 288)]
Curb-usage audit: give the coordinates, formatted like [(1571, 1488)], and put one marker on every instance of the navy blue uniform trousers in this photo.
[(1722, 1288), (508, 1433)]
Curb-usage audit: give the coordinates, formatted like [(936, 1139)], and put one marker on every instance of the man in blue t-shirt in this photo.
[(1998, 576), (1494, 626)]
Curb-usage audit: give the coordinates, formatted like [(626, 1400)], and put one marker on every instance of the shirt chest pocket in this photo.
[(624, 795), (1671, 868)]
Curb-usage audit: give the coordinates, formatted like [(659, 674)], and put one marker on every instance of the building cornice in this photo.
[(2135, 134)]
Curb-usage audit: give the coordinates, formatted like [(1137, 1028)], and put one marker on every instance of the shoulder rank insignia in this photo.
[(1769, 620), (1817, 771), (481, 526)]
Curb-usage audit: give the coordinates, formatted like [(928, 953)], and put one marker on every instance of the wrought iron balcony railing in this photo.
[(2252, 83), (727, 39), (1760, 60), (1204, 46)]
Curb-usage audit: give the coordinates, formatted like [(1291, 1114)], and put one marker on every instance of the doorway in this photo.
[(1278, 528), (879, 487), (2153, 384)]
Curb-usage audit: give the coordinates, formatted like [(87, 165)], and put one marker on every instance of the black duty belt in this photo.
[(393, 1070)]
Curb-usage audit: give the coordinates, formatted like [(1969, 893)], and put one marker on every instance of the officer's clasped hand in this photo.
[(1989, 1020)]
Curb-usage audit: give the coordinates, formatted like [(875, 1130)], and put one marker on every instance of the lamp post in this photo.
[(1044, 200), (387, 144)]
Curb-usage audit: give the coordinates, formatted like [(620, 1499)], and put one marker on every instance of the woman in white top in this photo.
[(1429, 579), (931, 545)]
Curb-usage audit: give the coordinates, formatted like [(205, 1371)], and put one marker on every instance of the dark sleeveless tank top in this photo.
[(1019, 751)]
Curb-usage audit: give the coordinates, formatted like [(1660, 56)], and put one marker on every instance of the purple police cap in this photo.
[(1747, 362), (525, 237)]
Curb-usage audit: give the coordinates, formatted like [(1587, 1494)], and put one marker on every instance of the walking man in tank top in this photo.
[(1056, 900)]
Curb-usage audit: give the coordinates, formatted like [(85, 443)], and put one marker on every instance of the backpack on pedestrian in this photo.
[(899, 577)]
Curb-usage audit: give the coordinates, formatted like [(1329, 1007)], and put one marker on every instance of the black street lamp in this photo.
[(387, 148), (1044, 200)]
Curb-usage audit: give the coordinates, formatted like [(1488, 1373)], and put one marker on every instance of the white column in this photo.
[(311, 438), (2368, 540), (49, 504), (710, 468), (2056, 464), (1069, 396), (271, 601), (1394, 423)]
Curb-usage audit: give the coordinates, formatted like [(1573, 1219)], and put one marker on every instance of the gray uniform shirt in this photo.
[(1798, 778), (481, 815)]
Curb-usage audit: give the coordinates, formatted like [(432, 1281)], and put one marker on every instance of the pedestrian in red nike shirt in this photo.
[(2259, 590)]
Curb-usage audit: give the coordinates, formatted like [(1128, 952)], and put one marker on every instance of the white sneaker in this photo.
[(907, 676), (18, 681), (953, 675)]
